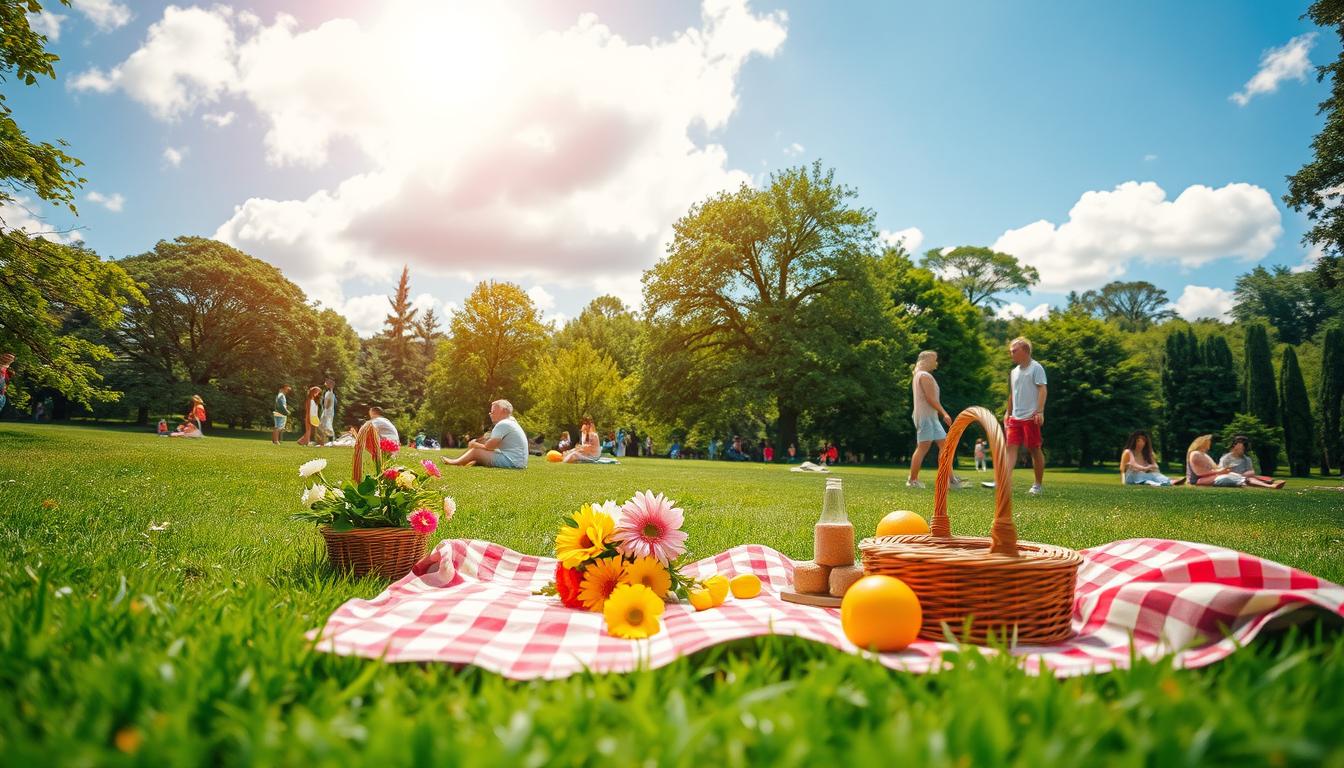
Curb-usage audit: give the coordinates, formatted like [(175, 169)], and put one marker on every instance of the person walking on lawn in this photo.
[(928, 409), (1026, 409)]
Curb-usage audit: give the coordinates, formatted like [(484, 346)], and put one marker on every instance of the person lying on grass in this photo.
[(1200, 469), (505, 447)]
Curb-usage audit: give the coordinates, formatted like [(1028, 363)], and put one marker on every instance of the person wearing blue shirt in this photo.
[(506, 446)]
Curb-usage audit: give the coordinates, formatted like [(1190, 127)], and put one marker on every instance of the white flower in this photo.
[(610, 508), (313, 495), (310, 468), (449, 508)]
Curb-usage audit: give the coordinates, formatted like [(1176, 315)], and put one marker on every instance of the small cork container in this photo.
[(810, 578), (833, 544), (843, 577)]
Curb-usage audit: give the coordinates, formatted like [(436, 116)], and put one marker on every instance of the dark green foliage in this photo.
[(1259, 395), (1133, 306), (1299, 431), (1199, 391), (1331, 400), (1266, 441), (981, 274), (1292, 302)]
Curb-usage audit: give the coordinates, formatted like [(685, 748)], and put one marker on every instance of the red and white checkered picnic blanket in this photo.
[(472, 602)]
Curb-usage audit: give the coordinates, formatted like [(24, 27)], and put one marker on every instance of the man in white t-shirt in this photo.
[(1026, 409), (385, 428), (327, 420), (505, 447)]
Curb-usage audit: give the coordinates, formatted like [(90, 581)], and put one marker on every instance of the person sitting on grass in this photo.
[(735, 451), (506, 446), (1237, 460), (386, 429), (1200, 469), (566, 442), (589, 449), (163, 427), (1136, 462)]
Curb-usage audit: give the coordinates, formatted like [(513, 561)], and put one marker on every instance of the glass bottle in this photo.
[(833, 542)]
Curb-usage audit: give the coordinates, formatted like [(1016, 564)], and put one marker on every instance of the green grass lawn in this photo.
[(184, 646)]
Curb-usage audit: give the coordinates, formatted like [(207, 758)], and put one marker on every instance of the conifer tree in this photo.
[(1298, 429), (1260, 397), (1331, 401)]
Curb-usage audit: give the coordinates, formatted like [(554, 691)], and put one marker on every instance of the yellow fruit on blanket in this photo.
[(718, 588), (881, 613), (902, 523), (745, 585), (701, 600)]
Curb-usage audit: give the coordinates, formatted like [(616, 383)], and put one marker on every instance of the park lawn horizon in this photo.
[(186, 644)]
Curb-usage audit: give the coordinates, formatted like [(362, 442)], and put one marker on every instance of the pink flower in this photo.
[(389, 446), (650, 527), (423, 520), (431, 468), (391, 474)]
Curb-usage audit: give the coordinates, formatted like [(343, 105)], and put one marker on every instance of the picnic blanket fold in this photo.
[(473, 602)]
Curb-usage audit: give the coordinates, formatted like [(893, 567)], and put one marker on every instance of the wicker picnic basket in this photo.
[(977, 586), (385, 552)]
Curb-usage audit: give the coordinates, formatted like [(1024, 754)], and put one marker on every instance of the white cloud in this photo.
[(173, 156), (541, 298), (1289, 62), (367, 313), (1198, 301), (46, 23), (218, 119), (1150, 157), (107, 15), (794, 150), (1309, 261), (1013, 309), (20, 214), (1109, 230), (187, 59), (113, 202), (910, 238)]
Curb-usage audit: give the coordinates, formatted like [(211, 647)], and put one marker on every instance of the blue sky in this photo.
[(474, 144)]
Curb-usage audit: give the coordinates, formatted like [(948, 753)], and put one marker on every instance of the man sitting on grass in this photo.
[(386, 429), (1239, 462), (505, 447)]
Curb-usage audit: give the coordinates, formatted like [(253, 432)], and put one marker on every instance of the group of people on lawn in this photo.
[(1025, 416)]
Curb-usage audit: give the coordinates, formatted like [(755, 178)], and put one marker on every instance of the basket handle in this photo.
[(366, 439), (1003, 534)]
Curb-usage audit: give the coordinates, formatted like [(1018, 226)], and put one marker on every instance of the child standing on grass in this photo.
[(979, 455)]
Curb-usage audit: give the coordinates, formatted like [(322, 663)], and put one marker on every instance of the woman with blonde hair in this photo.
[(928, 408), (589, 448), (312, 415), (1201, 469)]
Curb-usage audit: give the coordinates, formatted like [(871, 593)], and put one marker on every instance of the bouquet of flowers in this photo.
[(394, 496), (622, 562)]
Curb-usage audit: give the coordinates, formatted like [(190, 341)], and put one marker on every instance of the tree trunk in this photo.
[(142, 415), (786, 430)]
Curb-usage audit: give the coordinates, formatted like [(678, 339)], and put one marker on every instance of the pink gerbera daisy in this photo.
[(650, 527), (423, 520), (391, 473), (431, 468), (389, 446)]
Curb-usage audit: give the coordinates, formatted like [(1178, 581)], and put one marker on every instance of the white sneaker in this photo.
[(1034, 490), (913, 484), (956, 483)]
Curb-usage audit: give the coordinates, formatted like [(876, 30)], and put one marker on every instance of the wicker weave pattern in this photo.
[(385, 552), (995, 584)]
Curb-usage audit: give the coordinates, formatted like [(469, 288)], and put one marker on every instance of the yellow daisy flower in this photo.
[(600, 578), (573, 545), (632, 612), (649, 572)]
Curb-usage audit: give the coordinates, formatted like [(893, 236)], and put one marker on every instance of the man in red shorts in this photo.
[(1026, 408)]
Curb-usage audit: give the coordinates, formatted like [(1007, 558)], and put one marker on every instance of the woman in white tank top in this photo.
[(927, 410)]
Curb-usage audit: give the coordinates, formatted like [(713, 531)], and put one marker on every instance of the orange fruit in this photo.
[(701, 600), (880, 613), (717, 585), (554, 456), (745, 585), (902, 522)]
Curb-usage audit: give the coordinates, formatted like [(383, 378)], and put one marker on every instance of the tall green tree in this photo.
[(41, 169), (399, 329), (492, 341), (1315, 188), (376, 385), (46, 291), (1098, 392), (1293, 302), (216, 322), (981, 274), (1260, 395), (610, 327), (1331, 400), (332, 352), (1134, 306), (1180, 395), (726, 305), (1299, 431), (577, 381)]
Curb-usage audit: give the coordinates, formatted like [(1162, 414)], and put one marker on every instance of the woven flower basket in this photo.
[(978, 586), (385, 552)]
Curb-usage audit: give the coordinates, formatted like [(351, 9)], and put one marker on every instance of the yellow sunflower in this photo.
[(599, 579), (587, 540), (649, 572), (632, 612)]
